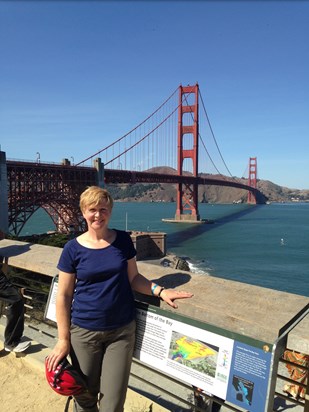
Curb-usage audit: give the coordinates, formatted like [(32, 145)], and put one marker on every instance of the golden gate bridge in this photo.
[(167, 147)]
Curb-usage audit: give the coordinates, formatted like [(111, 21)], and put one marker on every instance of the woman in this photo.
[(95, 305)]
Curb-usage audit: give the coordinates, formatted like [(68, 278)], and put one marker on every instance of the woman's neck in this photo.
[(97, 239)]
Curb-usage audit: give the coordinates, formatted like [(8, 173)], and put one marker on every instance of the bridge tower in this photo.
[(252, 179), (188, 134)]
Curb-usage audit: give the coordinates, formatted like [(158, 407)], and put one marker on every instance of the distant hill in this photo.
[(164, 192)]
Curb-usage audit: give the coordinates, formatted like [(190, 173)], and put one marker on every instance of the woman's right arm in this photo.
[(66, 284)]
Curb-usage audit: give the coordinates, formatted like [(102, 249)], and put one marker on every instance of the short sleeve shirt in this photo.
[(103, 298)]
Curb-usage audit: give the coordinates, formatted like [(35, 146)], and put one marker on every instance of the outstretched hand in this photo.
[(169, 295)]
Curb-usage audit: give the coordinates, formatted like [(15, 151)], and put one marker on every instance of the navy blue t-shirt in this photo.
[(103, 298)]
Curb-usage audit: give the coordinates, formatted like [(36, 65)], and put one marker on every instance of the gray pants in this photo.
[(104, 358)]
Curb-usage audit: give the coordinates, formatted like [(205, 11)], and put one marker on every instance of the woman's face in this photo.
[(97, 217)]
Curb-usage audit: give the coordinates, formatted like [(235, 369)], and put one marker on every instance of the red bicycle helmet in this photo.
[(65, 380)]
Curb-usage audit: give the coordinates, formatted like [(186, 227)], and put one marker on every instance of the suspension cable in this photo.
[(124, 136), (142, 139), (213, 136), (200, 137), (202, 141)]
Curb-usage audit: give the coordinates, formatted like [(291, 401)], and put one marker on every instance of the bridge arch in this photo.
[(55, 188)]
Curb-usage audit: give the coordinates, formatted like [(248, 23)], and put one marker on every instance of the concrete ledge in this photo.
[(32, 257), (245, 309), (249, 310)]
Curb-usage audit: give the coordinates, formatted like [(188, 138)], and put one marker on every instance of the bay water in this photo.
[(264, 245)]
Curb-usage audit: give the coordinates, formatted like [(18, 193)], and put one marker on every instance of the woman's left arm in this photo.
[(142, 285)]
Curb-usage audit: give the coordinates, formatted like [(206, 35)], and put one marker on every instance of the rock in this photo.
[(175, 262)]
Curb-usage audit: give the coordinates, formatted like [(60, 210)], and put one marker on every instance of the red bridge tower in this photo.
[(188, 133), (252, 179)]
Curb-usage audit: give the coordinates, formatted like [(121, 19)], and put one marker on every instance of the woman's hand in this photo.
[(169, 295), (61, 350)]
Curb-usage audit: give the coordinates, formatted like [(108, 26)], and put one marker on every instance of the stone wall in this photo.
[(149, 245)]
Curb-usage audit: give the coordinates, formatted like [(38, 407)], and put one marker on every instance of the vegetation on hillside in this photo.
[(206, 193), (132, 191), (48, 239)]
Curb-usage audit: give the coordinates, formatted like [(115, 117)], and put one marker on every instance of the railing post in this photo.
[(4, 217), (306, 409)]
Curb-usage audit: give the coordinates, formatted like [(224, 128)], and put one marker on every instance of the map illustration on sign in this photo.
[(194, 353)]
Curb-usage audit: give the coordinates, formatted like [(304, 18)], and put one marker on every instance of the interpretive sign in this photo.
[(230, 366)]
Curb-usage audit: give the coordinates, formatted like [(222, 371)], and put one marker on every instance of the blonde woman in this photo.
[(95, 305)]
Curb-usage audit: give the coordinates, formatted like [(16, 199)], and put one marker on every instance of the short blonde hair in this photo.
[(94, 195)]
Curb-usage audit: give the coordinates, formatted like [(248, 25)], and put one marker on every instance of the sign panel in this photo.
[(210, 358), (249, 374), (50, 311)]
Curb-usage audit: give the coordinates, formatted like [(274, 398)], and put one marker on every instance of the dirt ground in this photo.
[(24, 388)]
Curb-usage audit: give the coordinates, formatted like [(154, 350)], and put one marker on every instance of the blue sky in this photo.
[(75, 76)]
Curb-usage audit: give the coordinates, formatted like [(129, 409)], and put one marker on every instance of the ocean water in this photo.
[(264, 245)]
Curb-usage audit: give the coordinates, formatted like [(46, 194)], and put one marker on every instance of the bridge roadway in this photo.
[(126, 176), (248, 310)]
